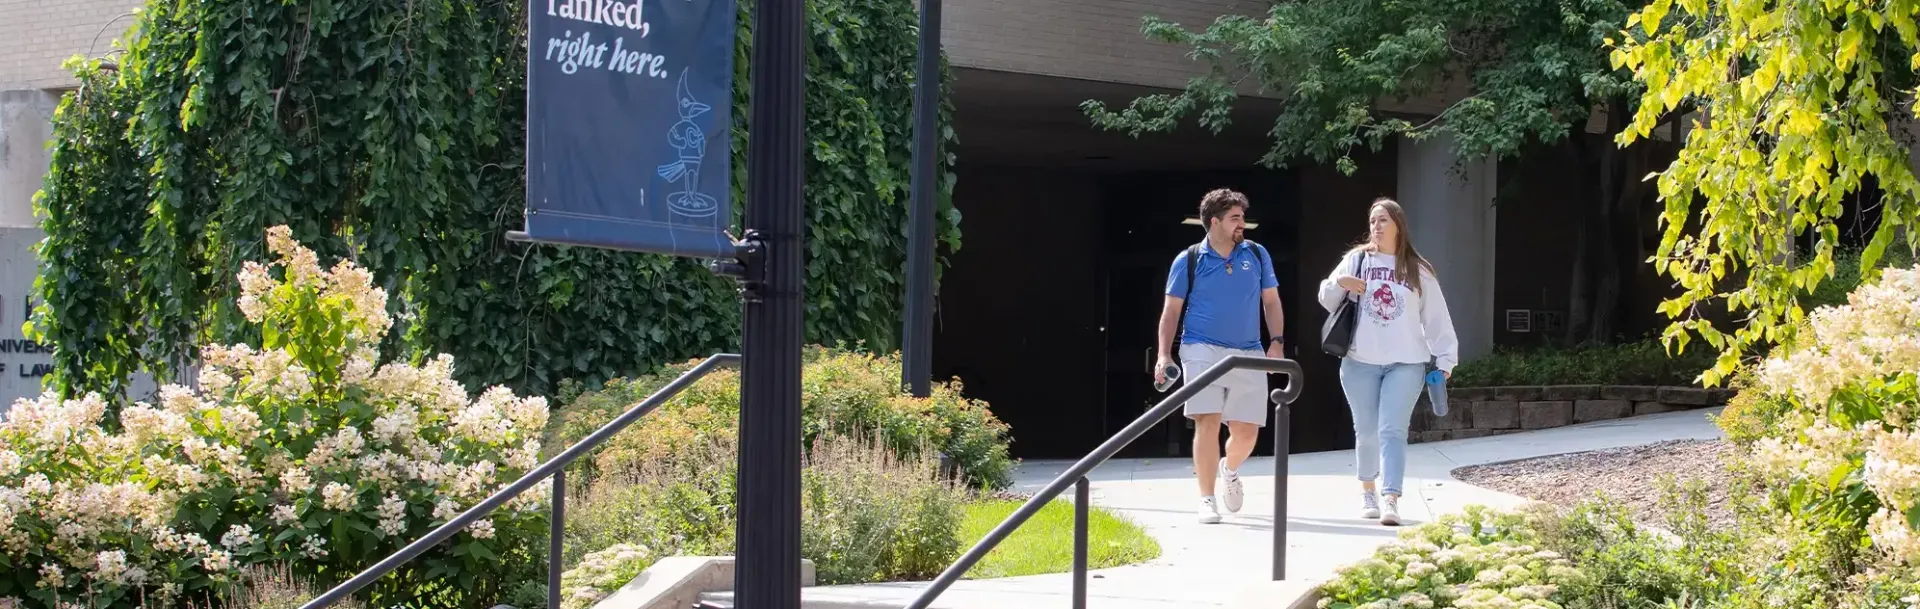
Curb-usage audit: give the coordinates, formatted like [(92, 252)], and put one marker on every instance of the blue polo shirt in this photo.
[(1224, 309)]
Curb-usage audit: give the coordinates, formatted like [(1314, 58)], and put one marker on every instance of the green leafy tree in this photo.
[(391, 134), (1803, 106), (1538, 72)]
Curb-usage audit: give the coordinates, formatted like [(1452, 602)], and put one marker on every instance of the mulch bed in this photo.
[(1629, 476)]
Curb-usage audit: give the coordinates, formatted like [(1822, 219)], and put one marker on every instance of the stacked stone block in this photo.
[(1491, 411)]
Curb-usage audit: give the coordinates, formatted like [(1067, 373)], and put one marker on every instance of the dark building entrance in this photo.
[(1048, 310)]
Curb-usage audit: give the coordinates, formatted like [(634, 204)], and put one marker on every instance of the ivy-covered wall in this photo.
[(391, 133)]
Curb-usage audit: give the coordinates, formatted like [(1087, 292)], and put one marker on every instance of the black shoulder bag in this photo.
[(1336, 334)]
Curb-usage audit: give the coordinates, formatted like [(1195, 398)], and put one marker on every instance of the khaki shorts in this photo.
[(1239, 395)]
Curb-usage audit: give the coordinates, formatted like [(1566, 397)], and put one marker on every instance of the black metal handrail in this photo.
[(554, 467), (1077, 477)]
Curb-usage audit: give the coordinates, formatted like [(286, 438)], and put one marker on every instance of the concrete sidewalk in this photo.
[(1209, 565)]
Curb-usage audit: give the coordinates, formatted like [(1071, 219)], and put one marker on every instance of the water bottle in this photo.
[(1437, 392), (1172, 372)]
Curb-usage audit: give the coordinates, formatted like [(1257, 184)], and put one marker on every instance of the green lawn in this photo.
[(1045, 543)]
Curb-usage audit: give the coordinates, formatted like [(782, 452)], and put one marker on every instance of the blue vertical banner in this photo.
[(629, 116)]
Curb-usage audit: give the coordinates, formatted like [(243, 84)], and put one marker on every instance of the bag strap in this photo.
[(1260, 256), (1193, 254), (1186, 300), (1359, 257)]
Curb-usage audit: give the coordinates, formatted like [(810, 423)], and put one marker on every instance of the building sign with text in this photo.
[(629, 122), (24, 362)]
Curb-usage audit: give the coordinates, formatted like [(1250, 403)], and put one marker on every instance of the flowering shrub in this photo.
[(842, 393), (1475, 560), (866, 515), (602, 572), (1847, 447), (304, 451), (271, 586)]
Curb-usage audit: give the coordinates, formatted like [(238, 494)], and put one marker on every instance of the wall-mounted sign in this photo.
[(25, 363), (629, 122), (1519, 321)]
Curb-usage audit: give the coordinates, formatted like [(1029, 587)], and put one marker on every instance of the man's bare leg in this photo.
[(1206, 451), (1239, 447), (1206, 463), (1240, 440)]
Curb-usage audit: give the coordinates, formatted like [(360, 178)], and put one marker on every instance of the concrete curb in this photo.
[(677, 582), (1290, 594)]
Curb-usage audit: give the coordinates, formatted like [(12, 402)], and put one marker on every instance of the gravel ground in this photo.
[(1630, 476)]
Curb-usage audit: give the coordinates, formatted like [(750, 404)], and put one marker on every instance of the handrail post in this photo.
[(556, 538), (1282, 448), (1082, 500), (1076, 473), (540, 472)]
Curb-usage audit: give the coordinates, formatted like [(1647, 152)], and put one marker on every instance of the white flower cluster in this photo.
[(276, 445), (1442, 564), (600, 573), (1853, 388)]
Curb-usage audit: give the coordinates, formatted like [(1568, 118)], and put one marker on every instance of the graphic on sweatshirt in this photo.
[(1384, 306)]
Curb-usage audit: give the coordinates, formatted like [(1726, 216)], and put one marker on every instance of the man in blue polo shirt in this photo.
[(1233, 283)]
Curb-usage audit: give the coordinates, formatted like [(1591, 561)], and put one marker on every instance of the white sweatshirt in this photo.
[(1395, 325)]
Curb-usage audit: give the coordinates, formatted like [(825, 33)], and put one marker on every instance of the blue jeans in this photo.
[(1381, 399)]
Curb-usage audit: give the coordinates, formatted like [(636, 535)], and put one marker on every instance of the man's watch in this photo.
[(1279, 339)]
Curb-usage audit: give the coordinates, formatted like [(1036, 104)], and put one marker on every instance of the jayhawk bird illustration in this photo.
[(686, 137)]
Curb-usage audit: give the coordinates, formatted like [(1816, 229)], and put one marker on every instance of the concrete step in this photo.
[(1302, 594)]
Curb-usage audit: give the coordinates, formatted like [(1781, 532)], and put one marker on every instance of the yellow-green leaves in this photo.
[(1797, 96), (1851, 40), (1653, 14)]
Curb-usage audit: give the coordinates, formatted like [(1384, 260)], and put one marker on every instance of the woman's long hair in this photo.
[(1405, 255)]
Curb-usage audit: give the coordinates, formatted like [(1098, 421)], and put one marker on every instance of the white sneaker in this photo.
[(1208, 513), (1391, 515), (1235, 495), (1369, 505)]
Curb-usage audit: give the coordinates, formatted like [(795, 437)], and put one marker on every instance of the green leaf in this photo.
[(480, 551), (208, 517)]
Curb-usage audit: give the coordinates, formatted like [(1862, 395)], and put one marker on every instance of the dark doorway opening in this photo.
[(1047, 311)]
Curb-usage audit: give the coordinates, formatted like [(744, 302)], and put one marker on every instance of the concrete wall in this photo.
[(37, 35), (25, 128), (1087, 39), (1450, 211), (1101, 40)]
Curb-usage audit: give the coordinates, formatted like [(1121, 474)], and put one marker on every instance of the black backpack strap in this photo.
[(1260, 256), (1186, 300), (1193, 256)]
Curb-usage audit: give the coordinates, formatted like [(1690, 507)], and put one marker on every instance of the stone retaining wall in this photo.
[(1491, 411)]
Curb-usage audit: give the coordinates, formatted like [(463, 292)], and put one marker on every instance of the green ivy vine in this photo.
[(392, 133)]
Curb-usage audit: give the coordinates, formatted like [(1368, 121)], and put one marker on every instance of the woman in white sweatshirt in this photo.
[(1401, 326)]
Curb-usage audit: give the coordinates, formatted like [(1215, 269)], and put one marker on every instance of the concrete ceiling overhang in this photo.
[(1010, 118)]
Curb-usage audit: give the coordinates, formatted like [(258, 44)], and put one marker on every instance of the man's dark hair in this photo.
[(1217, 203)]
